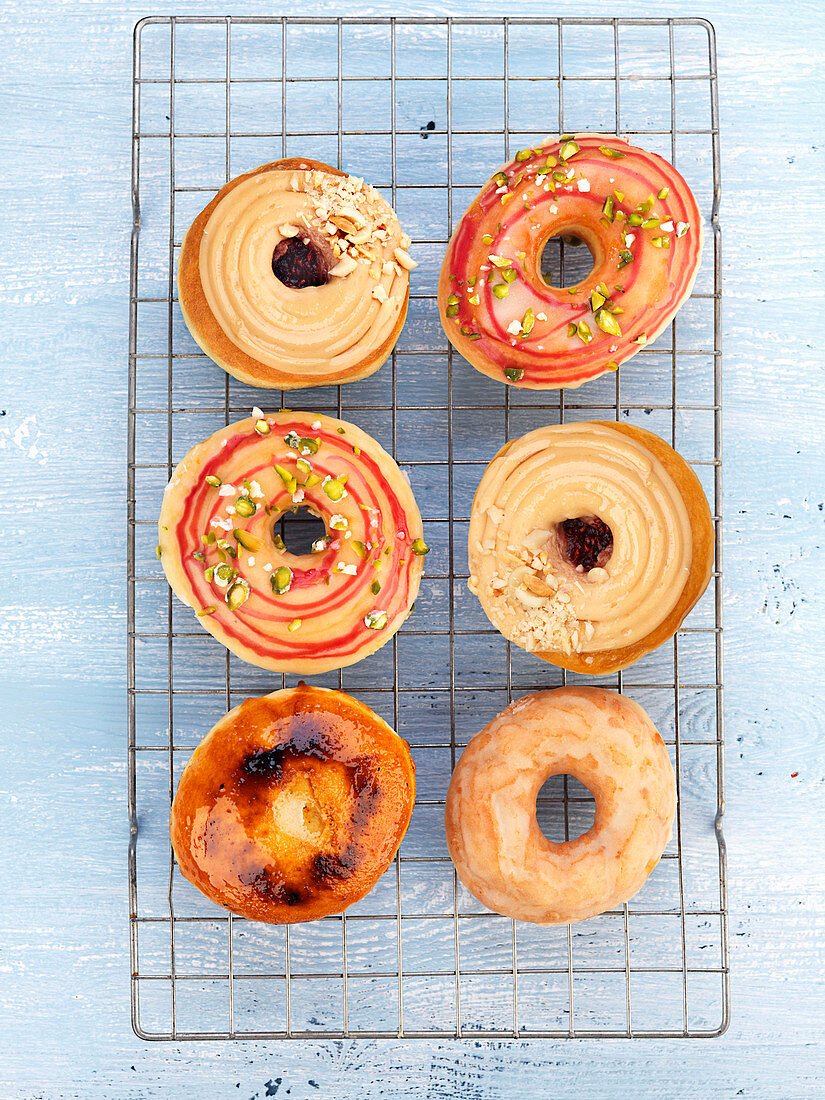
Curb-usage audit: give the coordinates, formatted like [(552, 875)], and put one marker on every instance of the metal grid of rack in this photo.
[(424, 108)]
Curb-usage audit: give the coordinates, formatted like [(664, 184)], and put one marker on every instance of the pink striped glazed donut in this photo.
[(277, 610), (640, 221)]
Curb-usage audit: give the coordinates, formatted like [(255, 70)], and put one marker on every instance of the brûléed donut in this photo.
[(589, 543), (304, 613), (640, 221), (296, 275), (293, 805), (609, 744)]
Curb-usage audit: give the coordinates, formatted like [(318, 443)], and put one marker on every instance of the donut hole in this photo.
[(565, 809), (566, 260), (298, 262), (586, 542), (299, 530)]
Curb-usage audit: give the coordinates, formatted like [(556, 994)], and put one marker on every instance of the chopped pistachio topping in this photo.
[(607, 322), (213, 479), (334, 488), (527, 322), (501, 291), (248, 541), (237, 595), (509, 275), (472, 281), (607, 209), (625, 257), (602, 289), (206, 611), (312, 481), (304, 468), (420, 547), (597, 300), (612, 366), (375, 587), (453, 300), (261, 427), (486, 238), (209, 573), (641, 339), (245, 506), (287, 478), (646, 206), (294, 625), (568, 150), (619, 195), (500, 178), (614, 154), (359, 548), (559, 176), (513, 374), (452, 311), (584, 333), (571, 329), (338, 523), (209, 538), (158, 551), (281, 580), (321, 544), (198, 556), (224, 573), (663, 194), (523, 154), (375, 620), (661, 242), (682, 228), (651, 222), (635, 219)]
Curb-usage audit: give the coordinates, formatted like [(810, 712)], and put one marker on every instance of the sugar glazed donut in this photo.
[(609, 744), (285, 612), (640, 221), (589, 543), (294, 275), (293, 806)]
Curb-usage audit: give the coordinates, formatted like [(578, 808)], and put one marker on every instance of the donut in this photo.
[(641, 223), (295, 275), (292, 806), (589, 543), (284, 612), (609, 744)]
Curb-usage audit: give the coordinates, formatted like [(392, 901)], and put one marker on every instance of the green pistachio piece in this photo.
[(625, 257), (227, 547), (420, 547), (312, 481), (472, 281), (261, 427), (248, 541), (641, 339), (474, 336), (279, 544), (524, 154), (602, 289), (486, 238), (619, 196), (612, 366), (584, 333), (334, 488), (209, 538), (341, 431), (663, 194), (245, 507), (597, 300), (513, 374), (287, 478), (452, 311), (158, 551), (551, 161), (453, 300), (661, 242), (375, 620), (559, 176), (544, 169), (281, 580), (614, 309), (646, 206), (571, 329), (209, 573), (607, 209), (509, 275), (237, 595), (651, 222), (501, 291), (500, 178), (614, 154), (375, 587), (359, 548), (206, 611), (198, 556), (303, 468), (224, 572), (527, 322), (635, 219), (568, 150), (212, 479), (321, 544), (294, 625), (607, 322)]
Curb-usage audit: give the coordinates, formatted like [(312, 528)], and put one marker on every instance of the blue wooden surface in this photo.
[(64, 223)]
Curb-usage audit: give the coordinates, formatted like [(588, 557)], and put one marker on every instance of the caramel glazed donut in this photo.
[(296, 275), (293, 806), (589, 543), (609, 744), (640, 221), (280, 611)]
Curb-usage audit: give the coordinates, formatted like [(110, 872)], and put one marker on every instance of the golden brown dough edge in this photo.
[(605, 661), (208, 334)]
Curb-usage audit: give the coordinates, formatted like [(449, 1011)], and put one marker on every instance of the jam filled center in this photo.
[(299, 263), (586, 542)]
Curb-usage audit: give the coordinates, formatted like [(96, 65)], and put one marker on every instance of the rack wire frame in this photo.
[(558, 978)]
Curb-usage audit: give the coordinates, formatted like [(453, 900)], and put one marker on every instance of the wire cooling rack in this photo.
[(425, 109)]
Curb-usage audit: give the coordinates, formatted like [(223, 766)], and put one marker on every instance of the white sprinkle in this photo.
[(584, 185), (268, 565), (553, 209), (629, 238), (315, 425), (250, 561), (298, 496), (226, 490), (541, 316), (514, 328), (400, 536), (682, 228), (342, 567), (224, 524), (667, 226), (255, 490), (258, 413)]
